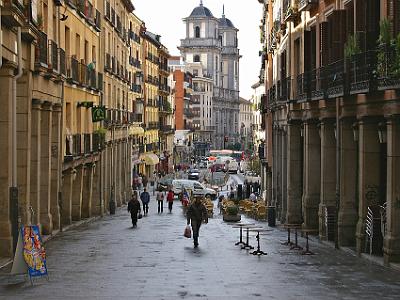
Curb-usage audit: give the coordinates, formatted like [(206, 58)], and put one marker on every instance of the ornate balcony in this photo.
[(290, 10), (307, 4), (335, 79), (388, 74), (303, 87), (12, 13), (317, 83), (361, 69)]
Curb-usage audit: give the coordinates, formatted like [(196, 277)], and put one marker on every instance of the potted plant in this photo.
[(232, 214)]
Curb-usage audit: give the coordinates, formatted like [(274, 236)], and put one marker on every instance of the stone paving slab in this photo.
[(107, 259)]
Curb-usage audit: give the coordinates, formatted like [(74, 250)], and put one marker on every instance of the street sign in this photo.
[(98, 113)]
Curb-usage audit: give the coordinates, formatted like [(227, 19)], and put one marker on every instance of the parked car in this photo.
[(194, 174), (196, 187), (164, 183)]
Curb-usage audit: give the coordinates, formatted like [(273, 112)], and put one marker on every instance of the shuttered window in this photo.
[(394, 16), (307, 51), (361, 23), (372, 23), (324, 43)]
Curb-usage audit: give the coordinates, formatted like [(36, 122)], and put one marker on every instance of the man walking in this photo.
[(134, 208), (145, 197), (170, 199), (196, 214), (160, 199)]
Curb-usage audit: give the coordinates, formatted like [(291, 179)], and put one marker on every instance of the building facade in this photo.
[(246, 121), (331, 111), (258, 133), (32, 72), (151, 43), (212, 43), (166, 113)]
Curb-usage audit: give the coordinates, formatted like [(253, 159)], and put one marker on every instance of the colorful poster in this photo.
[(33, 251)]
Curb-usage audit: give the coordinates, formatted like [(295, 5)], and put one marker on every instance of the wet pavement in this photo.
[(107, 259)]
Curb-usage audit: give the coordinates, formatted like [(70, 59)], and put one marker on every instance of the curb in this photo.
[(56, 233)]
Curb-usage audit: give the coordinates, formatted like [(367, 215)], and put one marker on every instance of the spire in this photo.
[(201, 2), (223, 10)]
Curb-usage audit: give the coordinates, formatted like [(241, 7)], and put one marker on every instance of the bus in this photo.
[(237, 155)]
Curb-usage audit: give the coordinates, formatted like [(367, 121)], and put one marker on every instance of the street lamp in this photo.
[(382, 133)]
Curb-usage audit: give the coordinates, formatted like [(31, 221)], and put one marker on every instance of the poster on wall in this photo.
[(33, 251)]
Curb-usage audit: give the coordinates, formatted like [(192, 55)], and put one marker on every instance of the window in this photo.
[(197, 32), (197, 58)]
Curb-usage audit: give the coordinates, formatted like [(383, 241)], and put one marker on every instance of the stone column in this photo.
[(312, 175), (369, 175), (35, 160), (328, 174), (279, 170), (107, 177), (294, 174), (87, 191), (45, 170), (347, 220), (284, 175), (66, 204), (391, 247), (275, 168), (128, 171), (77, 194), (117, 172), (97, 207), (6, 81), (24, 102), (55, 165)]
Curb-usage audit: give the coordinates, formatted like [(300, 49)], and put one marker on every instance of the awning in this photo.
[(150, 159), (136, 130)]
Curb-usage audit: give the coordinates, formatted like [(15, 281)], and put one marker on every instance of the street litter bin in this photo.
[(271, 216), (239, 192)]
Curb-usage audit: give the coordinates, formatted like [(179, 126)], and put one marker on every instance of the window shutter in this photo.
[(313, 47), (394, 15), (361, 22), (323, 31), (372, 22), (307, 51), (349, 19)]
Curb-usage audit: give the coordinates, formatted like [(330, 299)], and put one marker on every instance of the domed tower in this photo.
[(202, 41), (210, 51), (230, 53)]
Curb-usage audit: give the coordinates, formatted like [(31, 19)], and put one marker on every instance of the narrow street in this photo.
[(107, 259)]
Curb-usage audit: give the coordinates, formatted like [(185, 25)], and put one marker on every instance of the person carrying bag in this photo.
[(134, 209), (196, 214)]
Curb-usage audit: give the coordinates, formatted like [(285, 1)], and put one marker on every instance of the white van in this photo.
[(231, 166), (196, 187)]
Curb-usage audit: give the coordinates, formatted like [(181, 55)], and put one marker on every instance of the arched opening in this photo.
[(196, 58), (197, 31)]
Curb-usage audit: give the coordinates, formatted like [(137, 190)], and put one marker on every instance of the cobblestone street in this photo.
[(108, 259)]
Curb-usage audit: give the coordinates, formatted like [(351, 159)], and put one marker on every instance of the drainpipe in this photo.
[(14, 205)]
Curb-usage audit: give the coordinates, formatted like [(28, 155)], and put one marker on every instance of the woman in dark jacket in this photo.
[(134, 208)]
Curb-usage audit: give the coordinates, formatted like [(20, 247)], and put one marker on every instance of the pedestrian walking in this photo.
[(145, 181), (160, 199), (145, 197), (170, 199), (134, 209), (196, 215), (185, 200)]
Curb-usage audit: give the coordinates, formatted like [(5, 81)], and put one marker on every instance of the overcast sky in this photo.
[(164, 17)]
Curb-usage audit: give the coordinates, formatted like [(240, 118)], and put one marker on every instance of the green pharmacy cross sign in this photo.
[(98, 113)]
